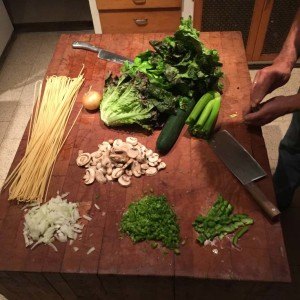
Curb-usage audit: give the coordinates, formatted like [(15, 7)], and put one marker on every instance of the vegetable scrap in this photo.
[(203, 117), (54, 220), (118, 160), (151, 218), (220, 221), (160, 82)]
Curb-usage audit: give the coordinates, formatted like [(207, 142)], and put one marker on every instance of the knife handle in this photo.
[(268, 207), (85, 46)]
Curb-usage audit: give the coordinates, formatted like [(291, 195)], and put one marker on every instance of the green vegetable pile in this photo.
[(203, 117), (151, 218), (158, 82), (220, 221)]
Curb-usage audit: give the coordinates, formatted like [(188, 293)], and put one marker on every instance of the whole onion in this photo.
[(91, 100)]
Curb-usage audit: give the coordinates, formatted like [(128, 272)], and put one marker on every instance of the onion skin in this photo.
[(91, 100)]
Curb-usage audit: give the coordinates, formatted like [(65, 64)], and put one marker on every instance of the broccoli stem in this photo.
[(201, 104)]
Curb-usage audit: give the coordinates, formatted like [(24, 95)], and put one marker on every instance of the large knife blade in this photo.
[(103, 54), (240, 162)]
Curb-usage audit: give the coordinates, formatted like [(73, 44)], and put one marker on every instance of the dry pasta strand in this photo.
[(29, 181)]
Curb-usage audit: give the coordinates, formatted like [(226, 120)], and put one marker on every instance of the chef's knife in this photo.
[(243, 166), (103, 54)]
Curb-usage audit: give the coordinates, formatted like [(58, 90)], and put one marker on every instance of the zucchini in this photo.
[(172, 128)]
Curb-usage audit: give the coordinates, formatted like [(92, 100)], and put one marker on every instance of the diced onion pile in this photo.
[(56, 219)]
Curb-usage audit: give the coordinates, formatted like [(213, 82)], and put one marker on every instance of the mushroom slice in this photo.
[(124, 180), (131, 140), (117, 143), (83, 159), (100, 176), (161, 166), (110, 141), (128, 172), (133, 152), (116, 173), (109, 170), (130, 161), (136, 169), (144, 166), (108, 177), (149, 152), (141, 158), (105, 146), (119, 158), (153, 164), (151, 171), (89, 176), (105, 162), (153, 158)]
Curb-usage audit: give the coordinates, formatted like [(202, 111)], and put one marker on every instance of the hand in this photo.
[(267, 80), (269, 111)]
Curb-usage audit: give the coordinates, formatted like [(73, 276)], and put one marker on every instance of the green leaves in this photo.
[(151, 218)]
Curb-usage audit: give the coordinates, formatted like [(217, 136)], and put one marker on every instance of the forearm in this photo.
[(291, 47), (292, 103)]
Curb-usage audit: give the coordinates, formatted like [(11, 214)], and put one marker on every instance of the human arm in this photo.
[(276, 75)]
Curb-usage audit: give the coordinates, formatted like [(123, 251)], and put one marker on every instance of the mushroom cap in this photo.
[(151, 171), (117, 172), (89, 176), (83, 159), (124, 180), (161, 166), (131, 140)]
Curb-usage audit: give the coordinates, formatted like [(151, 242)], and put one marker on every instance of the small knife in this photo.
[(240, 162), (103, 54)]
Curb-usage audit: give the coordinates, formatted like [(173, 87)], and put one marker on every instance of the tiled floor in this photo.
[(27, 63)]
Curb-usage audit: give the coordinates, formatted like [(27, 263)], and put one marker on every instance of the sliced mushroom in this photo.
[(153, 164), (124, 180), (105, 162), (109, 170), (105, 146), (117, 143), (153, 158), (116, 173), (133, 152), (141, 158), (89, 176), (136, 169), (100, 176), (130, 161), (119, 158), (149, 152), (128, 172), (83, 159), (151, 171), (131, 140), (161, 166), (108, 177), (111, 141), (144, 166)]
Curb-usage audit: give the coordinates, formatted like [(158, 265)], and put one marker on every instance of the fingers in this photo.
[(260, 87), (254, 119)]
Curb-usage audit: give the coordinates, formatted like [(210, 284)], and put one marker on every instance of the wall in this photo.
[(6, 27), (38, 11)]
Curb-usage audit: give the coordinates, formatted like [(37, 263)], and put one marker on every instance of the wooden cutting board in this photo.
[(192, 180)]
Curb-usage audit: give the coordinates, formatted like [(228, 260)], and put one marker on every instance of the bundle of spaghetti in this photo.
[(30, 180)]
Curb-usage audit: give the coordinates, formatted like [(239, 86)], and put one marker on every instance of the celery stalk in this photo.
[(210, 122), (201, 104)]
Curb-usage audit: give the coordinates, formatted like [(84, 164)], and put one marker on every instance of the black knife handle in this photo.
[(85, 46), (268, 207)]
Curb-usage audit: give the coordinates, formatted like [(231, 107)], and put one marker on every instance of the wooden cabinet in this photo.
[(264, 23), (138, 16)]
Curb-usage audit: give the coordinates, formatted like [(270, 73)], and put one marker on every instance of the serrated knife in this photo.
[(103, 54), (240, 162)]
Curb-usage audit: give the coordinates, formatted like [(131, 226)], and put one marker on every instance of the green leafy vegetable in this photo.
[(179, 69), (151, 218), (220, 221)]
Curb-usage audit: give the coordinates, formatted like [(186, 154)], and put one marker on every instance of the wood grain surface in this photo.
[(192, 180)]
